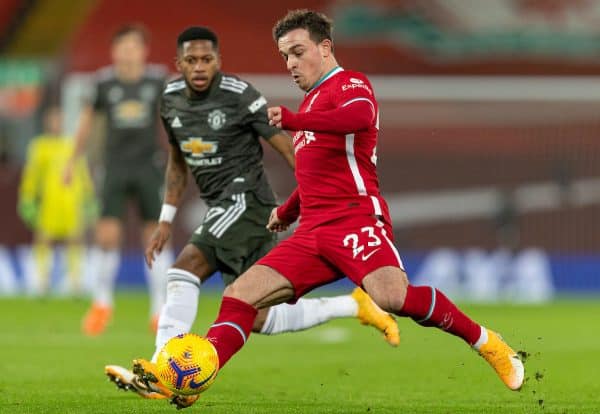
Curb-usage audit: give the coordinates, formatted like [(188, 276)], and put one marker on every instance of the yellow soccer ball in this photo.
[(188, 364)]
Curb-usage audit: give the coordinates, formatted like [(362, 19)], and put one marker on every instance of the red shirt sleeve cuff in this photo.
[(288, 119)]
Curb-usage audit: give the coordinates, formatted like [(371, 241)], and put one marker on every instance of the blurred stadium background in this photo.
[(489, 151)]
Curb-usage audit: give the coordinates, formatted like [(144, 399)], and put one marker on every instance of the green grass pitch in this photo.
[(47, 366)]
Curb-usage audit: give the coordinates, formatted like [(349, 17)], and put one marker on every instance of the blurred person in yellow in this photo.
[(126, 94), (55, 212)]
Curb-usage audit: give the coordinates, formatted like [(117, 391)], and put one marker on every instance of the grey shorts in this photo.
[(233, 236)]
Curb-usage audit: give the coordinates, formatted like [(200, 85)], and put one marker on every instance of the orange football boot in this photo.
[(126, 380), (96, 320), (371, 314), (147, 372), (504, 360)]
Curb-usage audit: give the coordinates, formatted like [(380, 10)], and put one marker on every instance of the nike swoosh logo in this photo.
[(366, 257)]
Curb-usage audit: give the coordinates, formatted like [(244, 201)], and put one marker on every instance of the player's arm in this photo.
[(85, 122), (175, 177), (90, 203), (355, 115), (175, 184), (282, 143), (254, 107), (27, 207), (284, 215), (84, 126)]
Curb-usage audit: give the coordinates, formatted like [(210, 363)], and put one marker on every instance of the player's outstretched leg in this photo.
[(176, 317), (307, 313), (429, 307)]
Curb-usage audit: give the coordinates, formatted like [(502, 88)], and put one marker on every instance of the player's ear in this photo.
[(326, 48), (177, 62)]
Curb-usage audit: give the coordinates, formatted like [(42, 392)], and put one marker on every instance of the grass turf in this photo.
[(47, 366)]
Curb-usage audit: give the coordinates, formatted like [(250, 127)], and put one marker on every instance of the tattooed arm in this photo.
[(175, 183), (175, 177)]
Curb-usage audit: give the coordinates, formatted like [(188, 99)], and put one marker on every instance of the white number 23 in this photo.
[(352, 240)]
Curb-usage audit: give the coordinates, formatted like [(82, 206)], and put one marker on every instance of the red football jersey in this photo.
[(335, 165)]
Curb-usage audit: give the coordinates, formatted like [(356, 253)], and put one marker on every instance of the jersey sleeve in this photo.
[(353, 87), (290, 209), (254, 106), (32, 173), (95, 96), (354, 108), (165, 122)]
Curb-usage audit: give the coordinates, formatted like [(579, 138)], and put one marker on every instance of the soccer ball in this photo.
[(187, 364)]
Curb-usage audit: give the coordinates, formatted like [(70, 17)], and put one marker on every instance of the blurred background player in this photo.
[(214, 121), (53, 211), (127, 94)]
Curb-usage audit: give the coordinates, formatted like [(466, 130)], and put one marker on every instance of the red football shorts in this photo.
[(352, 246)]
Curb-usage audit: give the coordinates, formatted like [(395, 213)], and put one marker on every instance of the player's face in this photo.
[(198, 62), (305, 59), (129, 50)]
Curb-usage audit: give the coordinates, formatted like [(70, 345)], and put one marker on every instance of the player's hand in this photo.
[(159, 238), (274, 114), (67, 175), (275, 224), (28, 210)]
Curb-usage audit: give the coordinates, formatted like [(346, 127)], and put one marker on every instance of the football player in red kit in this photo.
[(345, 228)]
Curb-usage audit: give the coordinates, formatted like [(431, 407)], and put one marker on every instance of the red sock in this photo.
[(429, 307), (232, 328)]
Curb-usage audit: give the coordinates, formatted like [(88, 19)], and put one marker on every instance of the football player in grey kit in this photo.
[(127, 93), (214, 121)]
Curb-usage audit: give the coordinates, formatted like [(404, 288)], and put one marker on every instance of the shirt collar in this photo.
[(328, 75)]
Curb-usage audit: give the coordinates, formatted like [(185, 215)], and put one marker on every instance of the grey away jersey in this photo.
[(218, 135), (132, 115)]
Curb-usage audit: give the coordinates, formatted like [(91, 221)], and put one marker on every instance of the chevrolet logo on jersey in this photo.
[(197, 147), (195, 150)]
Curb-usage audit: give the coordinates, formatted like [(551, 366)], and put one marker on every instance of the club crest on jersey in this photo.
[(115, 94), (216, 119), (312, 101), (148, 93)]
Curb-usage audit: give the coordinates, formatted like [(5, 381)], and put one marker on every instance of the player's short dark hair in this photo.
[(318, 25), (197, 33), (128, 29)]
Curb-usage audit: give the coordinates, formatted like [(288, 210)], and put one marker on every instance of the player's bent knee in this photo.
[(387, 287), (193, 260), (259, 322), (108, 233), (233, 291)]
